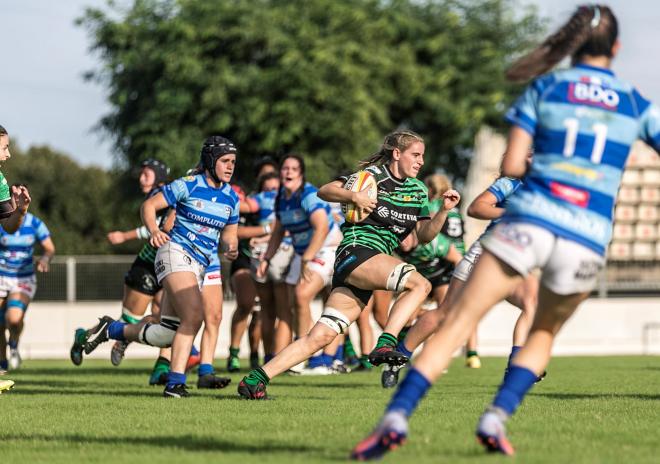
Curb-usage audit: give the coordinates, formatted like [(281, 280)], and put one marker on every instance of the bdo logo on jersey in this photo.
[(593, 94)]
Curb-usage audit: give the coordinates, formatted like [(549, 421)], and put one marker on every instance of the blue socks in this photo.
[(205, 369), (315, 361), (12, 344), (194, 351), (401, 348), (514, 350), (517, 382), (340, 353), (4, 365), (175, 378), (412, 389), (116, 330), (268, 357)]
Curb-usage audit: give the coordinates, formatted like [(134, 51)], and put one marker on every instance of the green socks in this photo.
[(234, 352), (386, 339), (349, 351), (257, 376), (471, 353)]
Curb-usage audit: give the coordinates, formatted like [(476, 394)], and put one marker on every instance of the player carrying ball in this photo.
[(364, 257)]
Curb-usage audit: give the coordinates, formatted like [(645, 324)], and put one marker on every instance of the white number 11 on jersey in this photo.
[(600, 138)]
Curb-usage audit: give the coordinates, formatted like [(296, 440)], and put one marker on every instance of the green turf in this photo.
[(587, 410)]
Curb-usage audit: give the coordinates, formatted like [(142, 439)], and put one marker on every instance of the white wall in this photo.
[(601, 326)]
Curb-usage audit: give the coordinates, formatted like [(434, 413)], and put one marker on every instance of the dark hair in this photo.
[(301, 162), (265, 177), (592, 30), (160, 169), (3, 131), (264, 161), (400, 140)]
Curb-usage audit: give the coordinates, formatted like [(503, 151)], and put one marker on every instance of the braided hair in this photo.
[(400, 140)]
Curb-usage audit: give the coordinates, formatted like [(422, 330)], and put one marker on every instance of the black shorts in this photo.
[(141, 277), (346, 261), (242, 262), (441, 279)]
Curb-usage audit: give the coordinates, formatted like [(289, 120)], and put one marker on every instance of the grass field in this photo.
[(587, 410)]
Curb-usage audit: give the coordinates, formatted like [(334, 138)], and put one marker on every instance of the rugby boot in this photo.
[(211, 381), (98, 334), (76, 352), (390, 433), (491, 432)]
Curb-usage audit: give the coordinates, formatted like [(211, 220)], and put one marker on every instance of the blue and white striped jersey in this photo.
[(16, 250), (583, 121), (266, 202), (294, 213), (502, 188), (202, 212)]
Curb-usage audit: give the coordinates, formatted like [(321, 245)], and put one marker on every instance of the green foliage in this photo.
[(326, 78), (79, 205)]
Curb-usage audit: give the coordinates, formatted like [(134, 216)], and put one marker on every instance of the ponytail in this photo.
[(400, 140), (592, 30)]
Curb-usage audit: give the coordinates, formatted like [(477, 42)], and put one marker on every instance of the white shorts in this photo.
[(212, 278), (172, 258), (279, 266), (464, 267), (323, 264), (567, 267), (26, 285)]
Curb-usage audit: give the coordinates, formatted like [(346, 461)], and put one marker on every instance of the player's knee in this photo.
[(321, 338), (335, 320), (399, 277), (160, 335)]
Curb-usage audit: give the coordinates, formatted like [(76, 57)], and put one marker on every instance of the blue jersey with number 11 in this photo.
[(583, 121)]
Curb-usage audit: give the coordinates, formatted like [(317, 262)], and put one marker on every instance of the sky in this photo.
[(44, 99)]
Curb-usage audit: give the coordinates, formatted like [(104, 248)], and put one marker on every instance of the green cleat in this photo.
[(79, 340), (234, 364)]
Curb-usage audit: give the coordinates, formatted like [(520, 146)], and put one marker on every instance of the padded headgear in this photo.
[(159, 168), (214, 147)]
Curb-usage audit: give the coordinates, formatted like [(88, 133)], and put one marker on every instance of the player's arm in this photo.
[(148, 213), (248, 205), (514, 163), (483, 207), (229, 241), (428, 229), (276, 236), (335, 192), (14, 210), (453, 255), (43, 263), (253, 231), (410, 242)]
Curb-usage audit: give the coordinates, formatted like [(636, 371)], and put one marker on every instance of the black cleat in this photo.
[(390, 376), (387, 355), (98, 334), (541, 377), (212, 382), (179, 390), (252, 392), (76, 352)]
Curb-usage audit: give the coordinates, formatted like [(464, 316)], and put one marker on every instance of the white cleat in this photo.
[(14, 359)]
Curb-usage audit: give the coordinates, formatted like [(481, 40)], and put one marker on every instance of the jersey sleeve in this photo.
[(650, 126), (424, 209), (41, 231), (312, 202), (234, 216), (175, 192), (501, 188), (5, 195), (524, 112)]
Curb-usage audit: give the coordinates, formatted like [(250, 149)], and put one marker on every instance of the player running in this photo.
[(364, 257), (581, 122), (18, 282)]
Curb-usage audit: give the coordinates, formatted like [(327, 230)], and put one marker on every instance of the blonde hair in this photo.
[(437, 185), (400, 140)]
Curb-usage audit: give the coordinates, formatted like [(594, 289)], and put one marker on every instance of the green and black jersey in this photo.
[(401, 203), (148, 252), (5, 195)]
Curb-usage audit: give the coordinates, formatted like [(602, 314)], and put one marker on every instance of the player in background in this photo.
[(18, 282), (242, 283), (581, 122), (364, 257), (14, 204), (434, 260), (207, 212), (315, 236)]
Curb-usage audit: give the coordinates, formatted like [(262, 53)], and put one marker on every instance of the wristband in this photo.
[(142, 233), (267, 229)]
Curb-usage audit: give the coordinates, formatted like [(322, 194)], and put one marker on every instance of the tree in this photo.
[(79, 205), (326, 78)]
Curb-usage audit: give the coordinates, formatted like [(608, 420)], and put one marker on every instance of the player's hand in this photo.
[(450, 199), (158, 239), (231, 253), (262, 269), (363, 202), (116, 237), (43, 264), (21, 198)]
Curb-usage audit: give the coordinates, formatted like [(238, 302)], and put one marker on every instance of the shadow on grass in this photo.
[(592, 396), (185, 442), (20, 390), (74, 371)]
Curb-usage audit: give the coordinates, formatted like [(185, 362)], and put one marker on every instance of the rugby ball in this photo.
[(361, 180)]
